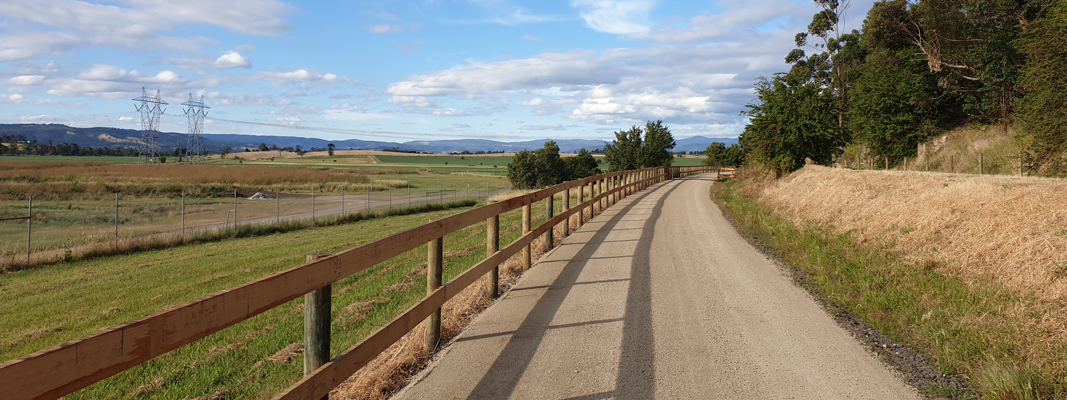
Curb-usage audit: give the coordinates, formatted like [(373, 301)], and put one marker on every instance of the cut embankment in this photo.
[(969, 270)]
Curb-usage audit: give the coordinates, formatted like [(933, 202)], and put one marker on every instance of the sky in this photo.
[(397, 70)]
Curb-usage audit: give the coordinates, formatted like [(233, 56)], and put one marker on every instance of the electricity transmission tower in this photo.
[(194, 149), (150, 108)]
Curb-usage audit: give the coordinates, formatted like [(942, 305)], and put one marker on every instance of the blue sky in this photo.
[(399, 70)]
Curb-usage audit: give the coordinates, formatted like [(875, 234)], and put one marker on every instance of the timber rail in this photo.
[(60, 370)]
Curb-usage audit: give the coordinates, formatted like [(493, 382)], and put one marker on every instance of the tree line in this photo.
[(18, 145), (915, 70), (635, 148)]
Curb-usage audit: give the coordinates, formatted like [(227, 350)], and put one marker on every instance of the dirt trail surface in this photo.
[(659, 297)]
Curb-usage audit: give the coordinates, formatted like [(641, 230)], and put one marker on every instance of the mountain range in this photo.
[(117, 137)]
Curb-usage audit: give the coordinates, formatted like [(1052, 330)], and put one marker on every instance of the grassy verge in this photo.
[(970, 330)]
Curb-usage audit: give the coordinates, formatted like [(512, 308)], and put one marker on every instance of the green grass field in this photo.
[(48, 306)]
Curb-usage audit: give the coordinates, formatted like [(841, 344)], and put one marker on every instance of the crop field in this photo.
[(253, 359)]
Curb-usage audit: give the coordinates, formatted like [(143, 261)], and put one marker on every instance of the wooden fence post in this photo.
[(952, 164), (604, 201), (434, 267), (525, 230), (567, 207), (550, 210), (981, 164), (492, 245), (926, 155), (613, 196), (316, 324), (581, 199)]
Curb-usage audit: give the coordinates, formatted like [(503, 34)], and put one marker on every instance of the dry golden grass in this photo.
[(1010, 229)]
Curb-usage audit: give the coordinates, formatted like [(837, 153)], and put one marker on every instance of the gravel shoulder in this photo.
[(659, 297)]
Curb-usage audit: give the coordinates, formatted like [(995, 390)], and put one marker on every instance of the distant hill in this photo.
[(116, 137)]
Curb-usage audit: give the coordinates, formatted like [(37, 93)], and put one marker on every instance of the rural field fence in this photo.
[(33, 232), (60, 370)]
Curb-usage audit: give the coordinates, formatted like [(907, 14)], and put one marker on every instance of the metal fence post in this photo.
[(492, 245), (278, 205), (434, 264), (183, 214), (317, 306), (342, 200), (235, 210), (312, 208)]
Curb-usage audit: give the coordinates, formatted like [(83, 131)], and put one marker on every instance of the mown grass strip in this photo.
[(968, 330)]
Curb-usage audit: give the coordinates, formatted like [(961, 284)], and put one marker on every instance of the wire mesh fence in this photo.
[(33, 231)]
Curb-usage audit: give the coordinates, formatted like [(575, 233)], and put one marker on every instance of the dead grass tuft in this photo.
[(40, 333), (287, 354), (147, 388), (357, 311)]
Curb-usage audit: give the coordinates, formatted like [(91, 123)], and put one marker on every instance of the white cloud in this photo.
[(26, 80), (36, 118), (15, 97), (412, 101), (533, 102), (731, 24), (615, 16), (449, 112), (232, 59), (531, 38), (304, 77), (699, 73), (74, 23)]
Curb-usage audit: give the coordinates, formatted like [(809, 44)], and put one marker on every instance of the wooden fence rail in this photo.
[(59, 370)]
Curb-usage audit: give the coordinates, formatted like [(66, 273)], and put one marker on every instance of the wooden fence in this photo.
[(57, 371)]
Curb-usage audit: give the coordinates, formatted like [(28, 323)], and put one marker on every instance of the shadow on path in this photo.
[(636, 372)]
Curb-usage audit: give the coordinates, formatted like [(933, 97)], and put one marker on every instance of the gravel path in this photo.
[(659, 297)]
